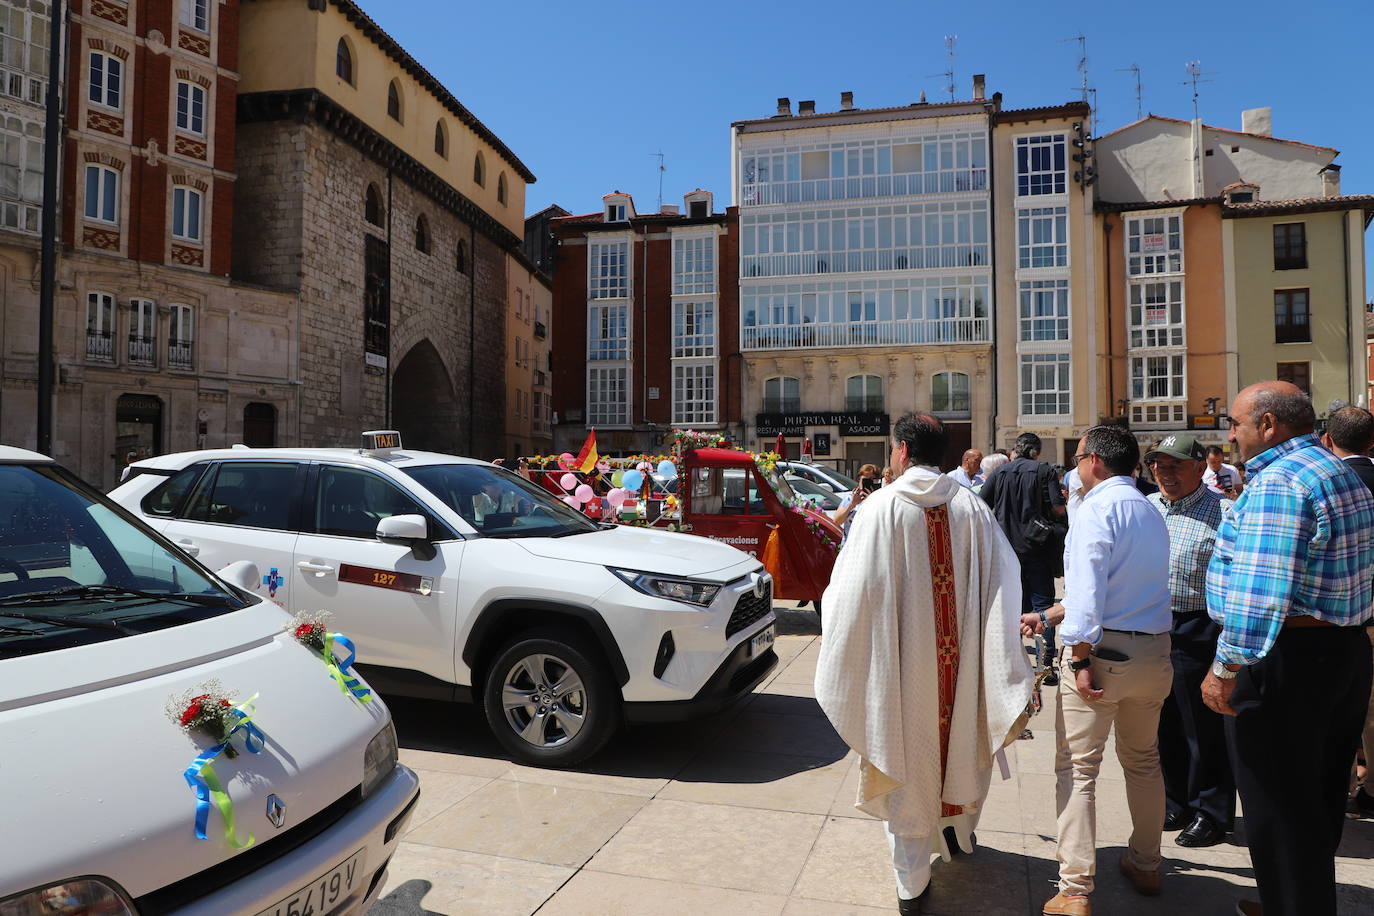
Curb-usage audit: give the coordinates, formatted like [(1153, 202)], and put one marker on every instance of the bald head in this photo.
[(1266, 414), (972, 461)]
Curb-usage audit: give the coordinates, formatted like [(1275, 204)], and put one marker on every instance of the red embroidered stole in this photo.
[(946, 628)]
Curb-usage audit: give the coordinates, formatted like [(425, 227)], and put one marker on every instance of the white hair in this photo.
[(993, 462)]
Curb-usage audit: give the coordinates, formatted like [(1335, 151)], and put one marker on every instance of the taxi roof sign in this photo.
[(381, 441)]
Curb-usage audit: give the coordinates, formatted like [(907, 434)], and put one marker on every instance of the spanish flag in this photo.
[(587, 458)]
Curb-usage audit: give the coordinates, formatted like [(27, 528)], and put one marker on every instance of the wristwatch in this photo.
[(1078, 664), (1221, 671)]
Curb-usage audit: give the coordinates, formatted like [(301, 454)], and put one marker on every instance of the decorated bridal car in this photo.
[(171, 741)]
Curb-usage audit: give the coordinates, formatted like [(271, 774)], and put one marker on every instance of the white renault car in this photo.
[(106, 630), (460, 580)]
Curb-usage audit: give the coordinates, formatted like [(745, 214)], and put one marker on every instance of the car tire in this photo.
[(572, 708)]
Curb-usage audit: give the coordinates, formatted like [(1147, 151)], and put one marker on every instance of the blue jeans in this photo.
[(1037, 592)]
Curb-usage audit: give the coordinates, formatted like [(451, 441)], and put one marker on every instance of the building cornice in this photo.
[(311, 105)]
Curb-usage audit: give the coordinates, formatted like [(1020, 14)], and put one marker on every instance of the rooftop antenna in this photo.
[(950, 42), (1195, 76), (1082, 62), (1139, 89), (661, 169)]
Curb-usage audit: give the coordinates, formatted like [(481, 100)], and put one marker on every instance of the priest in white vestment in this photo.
[(922, 669)]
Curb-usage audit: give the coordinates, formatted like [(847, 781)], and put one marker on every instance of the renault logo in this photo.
[(276, 811)]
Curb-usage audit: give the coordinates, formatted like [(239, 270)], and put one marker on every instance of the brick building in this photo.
[(157, 349), (391, 210), (646, 324)]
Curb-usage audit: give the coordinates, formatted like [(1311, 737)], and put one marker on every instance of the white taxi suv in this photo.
[(104, 628), (460, 580)]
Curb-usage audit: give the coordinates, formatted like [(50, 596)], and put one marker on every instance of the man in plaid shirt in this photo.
[(1290, 585)]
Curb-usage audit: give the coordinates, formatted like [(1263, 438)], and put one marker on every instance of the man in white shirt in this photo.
[(1221, 478), (1074, 484), (1116, 618), (969, 473)]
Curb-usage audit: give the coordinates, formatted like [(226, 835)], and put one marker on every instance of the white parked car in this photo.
[(820, 474), (103, 625), (460, 580)]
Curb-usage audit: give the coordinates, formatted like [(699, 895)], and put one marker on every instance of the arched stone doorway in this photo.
[(424, 408)]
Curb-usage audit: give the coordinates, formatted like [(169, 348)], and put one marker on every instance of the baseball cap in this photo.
[(1181, 446)]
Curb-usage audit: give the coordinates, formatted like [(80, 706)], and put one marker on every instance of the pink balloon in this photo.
[(644, 467), (573, 501), (567, 481), (565, 461), (617, 497), (584, 493)]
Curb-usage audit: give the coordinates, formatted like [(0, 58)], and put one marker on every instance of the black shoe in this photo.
[(1177, 820), (914, 907), (1361, 804), (1203, 831), (1051, 679)]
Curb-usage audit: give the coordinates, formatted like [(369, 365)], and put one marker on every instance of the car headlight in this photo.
[(688, 591), (79, 896), (380, 759)]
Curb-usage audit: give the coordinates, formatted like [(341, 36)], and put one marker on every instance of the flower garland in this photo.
[(685, 439), (209, 710), (813, 523), (308, 628), (767, 462)]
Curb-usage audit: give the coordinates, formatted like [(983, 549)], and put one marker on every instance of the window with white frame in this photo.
[(21, 173), (782, 394), (615, 213), (186, 214), (24, 46), (1042, 237), (1044, 310), (196, 14), (607, 404), (608, 270), (1045, 384), (142, 332), (864, 393), (694, 392), (107, 80), (1154, 245), (694, 265), (949, 395), (102, 194), (191, 108), (1041, 166), (181, 337), (1155, 313), (100, 326), (694, 329), (608, 332), (1155, 378)]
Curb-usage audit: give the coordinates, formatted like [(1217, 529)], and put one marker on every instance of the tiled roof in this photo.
[(1225, 130), (1067, 110), (1363, 202), (895, 109)]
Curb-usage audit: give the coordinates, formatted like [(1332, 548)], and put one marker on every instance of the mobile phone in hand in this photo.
[(1224, 480), (869, 484)]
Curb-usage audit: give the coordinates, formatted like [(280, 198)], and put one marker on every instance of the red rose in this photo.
[(224, 703), (190, 714), (304, 630)]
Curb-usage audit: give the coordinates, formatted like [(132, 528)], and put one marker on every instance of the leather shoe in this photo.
[(1203, 831), (1060, 905), (1361, 804), (1051, 679), (914, 906), (1176, 820), (1146, 883)]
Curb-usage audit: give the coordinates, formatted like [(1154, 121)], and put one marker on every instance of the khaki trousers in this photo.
[(1133, 693)]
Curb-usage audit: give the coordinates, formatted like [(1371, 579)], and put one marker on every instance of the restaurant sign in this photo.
[(850, 423)]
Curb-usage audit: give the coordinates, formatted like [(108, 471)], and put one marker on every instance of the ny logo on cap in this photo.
[(1168, 442)]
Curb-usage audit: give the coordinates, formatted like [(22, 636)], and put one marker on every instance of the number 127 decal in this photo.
[(385, 578)]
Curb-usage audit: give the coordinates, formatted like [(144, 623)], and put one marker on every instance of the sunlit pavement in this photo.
[(751, 812)]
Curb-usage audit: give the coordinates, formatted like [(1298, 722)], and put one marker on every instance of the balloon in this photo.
[(617, 478), (667, 469), (572, 501), (584, 493), (567, 481), (632, 480), (565, 461), (644, 467), (616, 497)]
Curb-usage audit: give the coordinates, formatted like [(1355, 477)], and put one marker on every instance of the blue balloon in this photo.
[(633, 480), (667, 469)]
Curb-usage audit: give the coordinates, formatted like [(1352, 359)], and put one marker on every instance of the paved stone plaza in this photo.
[(751, 812)]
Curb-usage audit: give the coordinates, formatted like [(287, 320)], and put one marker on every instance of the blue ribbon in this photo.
[(342, 671), (200, 776)]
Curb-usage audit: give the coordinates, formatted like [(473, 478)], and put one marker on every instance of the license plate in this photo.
[(323, 894), (760, 641)]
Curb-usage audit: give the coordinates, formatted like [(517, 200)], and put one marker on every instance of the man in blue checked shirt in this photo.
[(1290, 585)]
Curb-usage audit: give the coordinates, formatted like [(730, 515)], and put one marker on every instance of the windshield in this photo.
[(75, 570), (499, 503), (780, 486), (814, 492)]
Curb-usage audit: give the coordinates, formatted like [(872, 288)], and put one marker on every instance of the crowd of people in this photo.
[(1214, 618)]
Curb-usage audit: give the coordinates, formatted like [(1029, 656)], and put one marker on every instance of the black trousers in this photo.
[(1299, 712), (1192, 738), (1037, 590)]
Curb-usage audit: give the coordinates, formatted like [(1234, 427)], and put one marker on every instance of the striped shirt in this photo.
[(1192, 522), (1299, 540)]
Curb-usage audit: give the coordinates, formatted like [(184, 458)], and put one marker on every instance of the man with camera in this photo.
[(1221, 478)]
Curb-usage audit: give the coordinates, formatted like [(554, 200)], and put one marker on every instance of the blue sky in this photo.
[(585, 92)]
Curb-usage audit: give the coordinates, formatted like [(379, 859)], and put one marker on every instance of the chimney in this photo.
[(1331, 181), (806, 108), (979, 86), (669, 209), (846, 101), (784, 107), (1258, 121)]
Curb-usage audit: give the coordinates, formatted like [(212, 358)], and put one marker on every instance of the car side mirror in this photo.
[(243, 574), (403, 528)]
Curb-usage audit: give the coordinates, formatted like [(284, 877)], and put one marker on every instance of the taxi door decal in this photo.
[(385, 578)]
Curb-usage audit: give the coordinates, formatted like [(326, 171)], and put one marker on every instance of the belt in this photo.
[(1132, 632), (1305, 620)]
